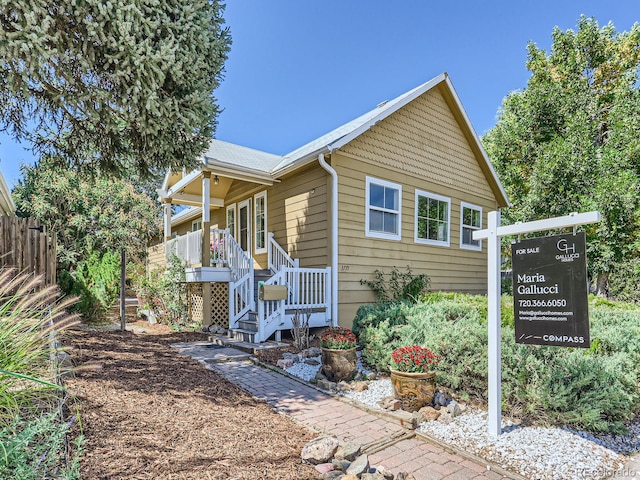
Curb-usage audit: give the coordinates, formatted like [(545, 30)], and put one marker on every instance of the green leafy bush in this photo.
[(164, 291), (401, 286), (373, 314), (34, 449), (594, 389), (96, 282)]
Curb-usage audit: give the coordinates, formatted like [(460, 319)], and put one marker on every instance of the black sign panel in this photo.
[(550, 291)]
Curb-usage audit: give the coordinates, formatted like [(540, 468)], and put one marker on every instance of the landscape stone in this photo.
[(360, 386), (284, 363), (445, 417), (343, 386), (371, 376), (429, 413), (333, 475), (341, 465), (384, 472), (359, 466), (319, 450), (350, 451), (349, 477), (405, 476), (454, 408), (407, 419), (440, 399), (326, 384), (314, 352), (372, 476), (324, 467), (312, 361)]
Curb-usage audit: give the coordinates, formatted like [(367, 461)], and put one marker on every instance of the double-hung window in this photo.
[(260, 222), (383, 209), (470, 221), (196, 225), (432, 214)]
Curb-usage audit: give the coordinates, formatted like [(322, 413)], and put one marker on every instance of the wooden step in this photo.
[(242, 335)]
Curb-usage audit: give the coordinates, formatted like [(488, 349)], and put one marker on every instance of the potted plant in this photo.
[(412, 376), (338, 346)]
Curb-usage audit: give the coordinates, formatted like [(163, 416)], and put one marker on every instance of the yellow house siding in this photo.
[(420, 147), (424, 139)]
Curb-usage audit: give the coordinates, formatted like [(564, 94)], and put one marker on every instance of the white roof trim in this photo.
[(477, 140)]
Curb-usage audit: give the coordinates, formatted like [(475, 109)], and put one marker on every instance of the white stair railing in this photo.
[(277, 257), (241, 288)]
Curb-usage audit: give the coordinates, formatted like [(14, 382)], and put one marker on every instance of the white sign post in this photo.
[(492, 234)]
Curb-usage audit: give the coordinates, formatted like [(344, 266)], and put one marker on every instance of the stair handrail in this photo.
[(278, 257)]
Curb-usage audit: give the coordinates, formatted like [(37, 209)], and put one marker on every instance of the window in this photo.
[(432, 219), (231, 219), (470, 220), (260, 219), (196, 225), (383, 218)]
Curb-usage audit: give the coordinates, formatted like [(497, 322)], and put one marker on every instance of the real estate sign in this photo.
[(550, 291)]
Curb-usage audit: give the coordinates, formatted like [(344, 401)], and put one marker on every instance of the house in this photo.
[(7, 206), (404, 184)]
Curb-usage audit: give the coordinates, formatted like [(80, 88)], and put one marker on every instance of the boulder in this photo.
[(360, 386), (324, 467), (429, 413), (445, 417), (454, 408), (372, 476), (359, 466), (350, 451), (284, 363), (319, 450)]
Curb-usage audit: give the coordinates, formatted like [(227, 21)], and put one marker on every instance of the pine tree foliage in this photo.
[(570, 141), (106, 84)]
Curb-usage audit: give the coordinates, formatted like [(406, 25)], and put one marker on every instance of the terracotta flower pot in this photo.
[(339, 365), (414, 389)]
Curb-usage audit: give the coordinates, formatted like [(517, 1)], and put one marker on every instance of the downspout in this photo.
[(334, 238)]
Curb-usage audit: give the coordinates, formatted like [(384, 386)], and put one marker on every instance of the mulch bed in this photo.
[(149, 413)]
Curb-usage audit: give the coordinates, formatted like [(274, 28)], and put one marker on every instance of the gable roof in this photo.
[(223, 155)]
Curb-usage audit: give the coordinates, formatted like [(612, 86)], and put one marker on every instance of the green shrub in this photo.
[(35, 449), (401, 286), (164, 292), (373, 314), (594, 389), (96, 282)]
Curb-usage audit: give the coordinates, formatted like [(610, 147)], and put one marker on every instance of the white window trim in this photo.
[(255, 222), (195, 223), (426, 241), (465, 246), (235, 219), (367, 208)]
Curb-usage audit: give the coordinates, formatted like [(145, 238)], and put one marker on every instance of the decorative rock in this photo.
[(429, 413), (440, 399), (360, 386), (454, 408), (285, 363), (405, 476), (324, 467), (341, 465), (359, 466), (445, 417), (372, 476), (343, 386), (349, 477), (350, 451), (326, 384), (389, 403), (371, 376), (333, 475), (319, 450), (384, 472), (314, 352), (312, 361), (288, 355)]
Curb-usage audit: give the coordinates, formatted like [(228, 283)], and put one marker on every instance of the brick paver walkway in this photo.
[(323, 413)]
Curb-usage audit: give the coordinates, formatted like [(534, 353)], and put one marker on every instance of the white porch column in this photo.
[(166, 207), (206, 240)]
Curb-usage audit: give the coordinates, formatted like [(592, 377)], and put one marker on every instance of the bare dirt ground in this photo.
[(149, 413)]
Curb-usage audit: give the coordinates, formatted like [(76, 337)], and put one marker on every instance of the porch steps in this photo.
[(248, 347), (248, 326)]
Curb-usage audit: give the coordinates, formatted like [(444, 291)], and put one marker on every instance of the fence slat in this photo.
[(23, 247)]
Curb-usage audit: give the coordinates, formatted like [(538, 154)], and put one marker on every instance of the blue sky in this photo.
[(299, 68)]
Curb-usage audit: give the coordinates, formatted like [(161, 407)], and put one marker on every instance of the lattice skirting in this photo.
[(219, 303)]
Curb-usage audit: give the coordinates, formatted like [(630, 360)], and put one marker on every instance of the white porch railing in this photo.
[(277, 257), (241, 288), (308, 289), (186, 247)]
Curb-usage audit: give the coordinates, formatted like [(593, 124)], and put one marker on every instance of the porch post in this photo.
[(166, 207), (206, 240)]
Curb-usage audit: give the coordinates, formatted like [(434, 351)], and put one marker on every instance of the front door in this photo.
[(244, 225)]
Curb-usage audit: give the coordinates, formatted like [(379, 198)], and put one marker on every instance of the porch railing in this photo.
[(309, 289), (241, 288), (186, 247), (277, 257)]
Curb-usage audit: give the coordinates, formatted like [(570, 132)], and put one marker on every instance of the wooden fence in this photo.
[(25, 247)]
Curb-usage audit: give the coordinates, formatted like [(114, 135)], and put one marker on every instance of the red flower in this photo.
[(413, 358), (338, 338)]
